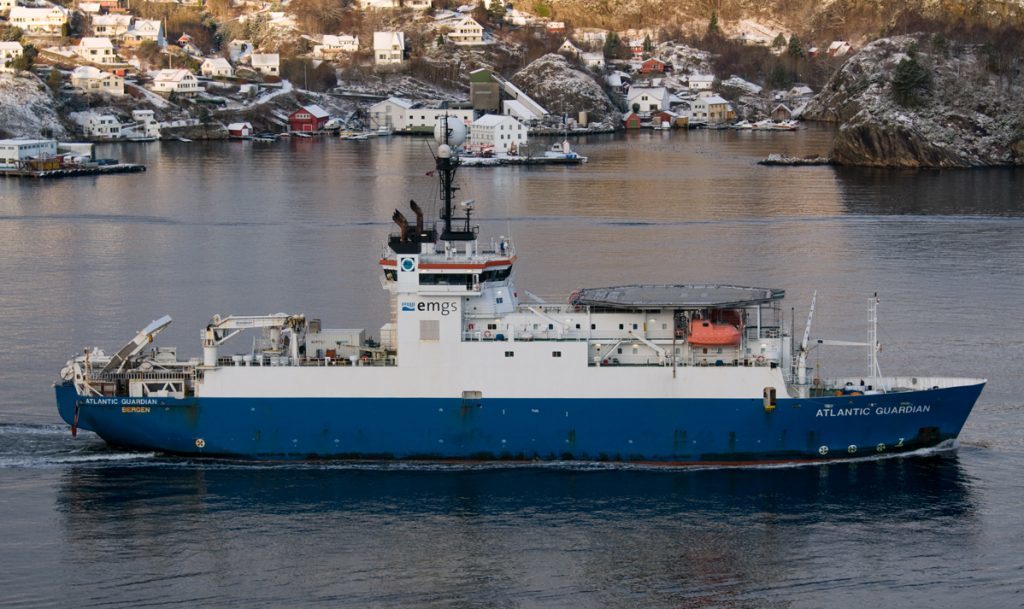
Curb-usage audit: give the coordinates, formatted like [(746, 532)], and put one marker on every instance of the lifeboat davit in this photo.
[(705, 333)]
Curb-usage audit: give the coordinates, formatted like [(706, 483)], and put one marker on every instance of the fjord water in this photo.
[(297, 227)]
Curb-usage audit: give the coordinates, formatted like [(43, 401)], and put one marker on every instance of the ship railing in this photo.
[(892, 384)]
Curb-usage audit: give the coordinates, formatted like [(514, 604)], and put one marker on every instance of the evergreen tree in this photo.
[(648, 45), (612, 46), (795, 48), (910, 82), (779, 42), (713, 30)]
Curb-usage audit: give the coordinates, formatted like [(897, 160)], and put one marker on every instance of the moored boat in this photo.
[(465, 370)]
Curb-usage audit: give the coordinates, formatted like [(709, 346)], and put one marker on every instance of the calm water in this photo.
[(296, 226)]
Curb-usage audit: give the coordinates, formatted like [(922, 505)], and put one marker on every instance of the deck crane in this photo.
[(220, 330)]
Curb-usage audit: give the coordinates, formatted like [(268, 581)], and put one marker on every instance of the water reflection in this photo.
[(503, 537)]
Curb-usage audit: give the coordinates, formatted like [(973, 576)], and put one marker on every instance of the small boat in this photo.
[(562, 150), (143, 138), (264, 137), (357, 137), (384, 131), (183, 139)]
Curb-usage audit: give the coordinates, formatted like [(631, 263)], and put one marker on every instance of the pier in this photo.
[(69, 172)]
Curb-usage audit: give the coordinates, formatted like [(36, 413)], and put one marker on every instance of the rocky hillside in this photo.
[(951, 110), (27, 109), (555, 84), (857, 20)]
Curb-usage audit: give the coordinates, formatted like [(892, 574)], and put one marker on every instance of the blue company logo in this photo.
[(408, 306), (408, 264)]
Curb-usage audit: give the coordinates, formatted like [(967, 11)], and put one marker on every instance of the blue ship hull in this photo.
[(642, 430)]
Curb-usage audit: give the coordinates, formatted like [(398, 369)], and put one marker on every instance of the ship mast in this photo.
[(449, 135)]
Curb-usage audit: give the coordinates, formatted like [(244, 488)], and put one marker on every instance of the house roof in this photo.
[(701, 78), (657, 92), (171, 75), (316, 111), (217, 62), (239, 126), (10, 46), (491, 120), (517, 108), (86, 72), (714, 99), (385, 40), (782, 106), (401, 102), (90, 42), (265, 59), (112, 19)]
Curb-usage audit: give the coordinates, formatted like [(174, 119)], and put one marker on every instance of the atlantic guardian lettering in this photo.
[(878, 410)]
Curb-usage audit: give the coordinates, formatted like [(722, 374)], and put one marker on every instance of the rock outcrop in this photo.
[(968, 117), (27, 109), (558, 86)]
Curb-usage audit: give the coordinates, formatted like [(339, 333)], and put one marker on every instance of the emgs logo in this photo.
[(444, 308)]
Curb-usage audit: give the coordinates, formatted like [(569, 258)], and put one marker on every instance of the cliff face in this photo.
[(969, 116), (27, 109), (559, 87)]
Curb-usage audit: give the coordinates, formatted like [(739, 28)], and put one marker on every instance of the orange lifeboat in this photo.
[(705, 333)]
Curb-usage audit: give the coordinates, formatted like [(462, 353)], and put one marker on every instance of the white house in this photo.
[(388, 48), (710, 109), (239, 50), (89, 8), (102, 127), (95, 49), (332, 46), (111, 26), (497, 132), (179, 82), (839, 48), (7, 5), (9, 51), (593, 60), (799, 91), (648, 99), (146, 29), (467, 32), (267, 64), (590, 36), (570, 49), (701, 82), (403, 115), (417, 5), (378, 4), (39, 20), (13, 151), (89, 79), (146, 123), (216, 66)]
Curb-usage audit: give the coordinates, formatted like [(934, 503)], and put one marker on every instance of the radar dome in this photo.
[(456, 131)]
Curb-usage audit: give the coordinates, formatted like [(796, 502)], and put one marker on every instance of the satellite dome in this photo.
[(456, 131)]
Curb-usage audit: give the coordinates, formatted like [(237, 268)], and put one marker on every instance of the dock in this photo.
[(69, 172), (500, 161)]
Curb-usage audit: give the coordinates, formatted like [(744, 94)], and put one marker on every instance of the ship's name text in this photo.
[(879, 410), (121, 401)]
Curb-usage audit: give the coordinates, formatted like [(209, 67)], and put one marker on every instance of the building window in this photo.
[(510, 354), (622, 326), (593, 326), (577, 326), (492, 326), (556, 354), (430, 329)]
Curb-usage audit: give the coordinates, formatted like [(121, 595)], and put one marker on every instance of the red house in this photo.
[(652, 66), (308, 118), (631, 121)]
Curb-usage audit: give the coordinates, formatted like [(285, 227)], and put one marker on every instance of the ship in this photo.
[(467, 369)]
